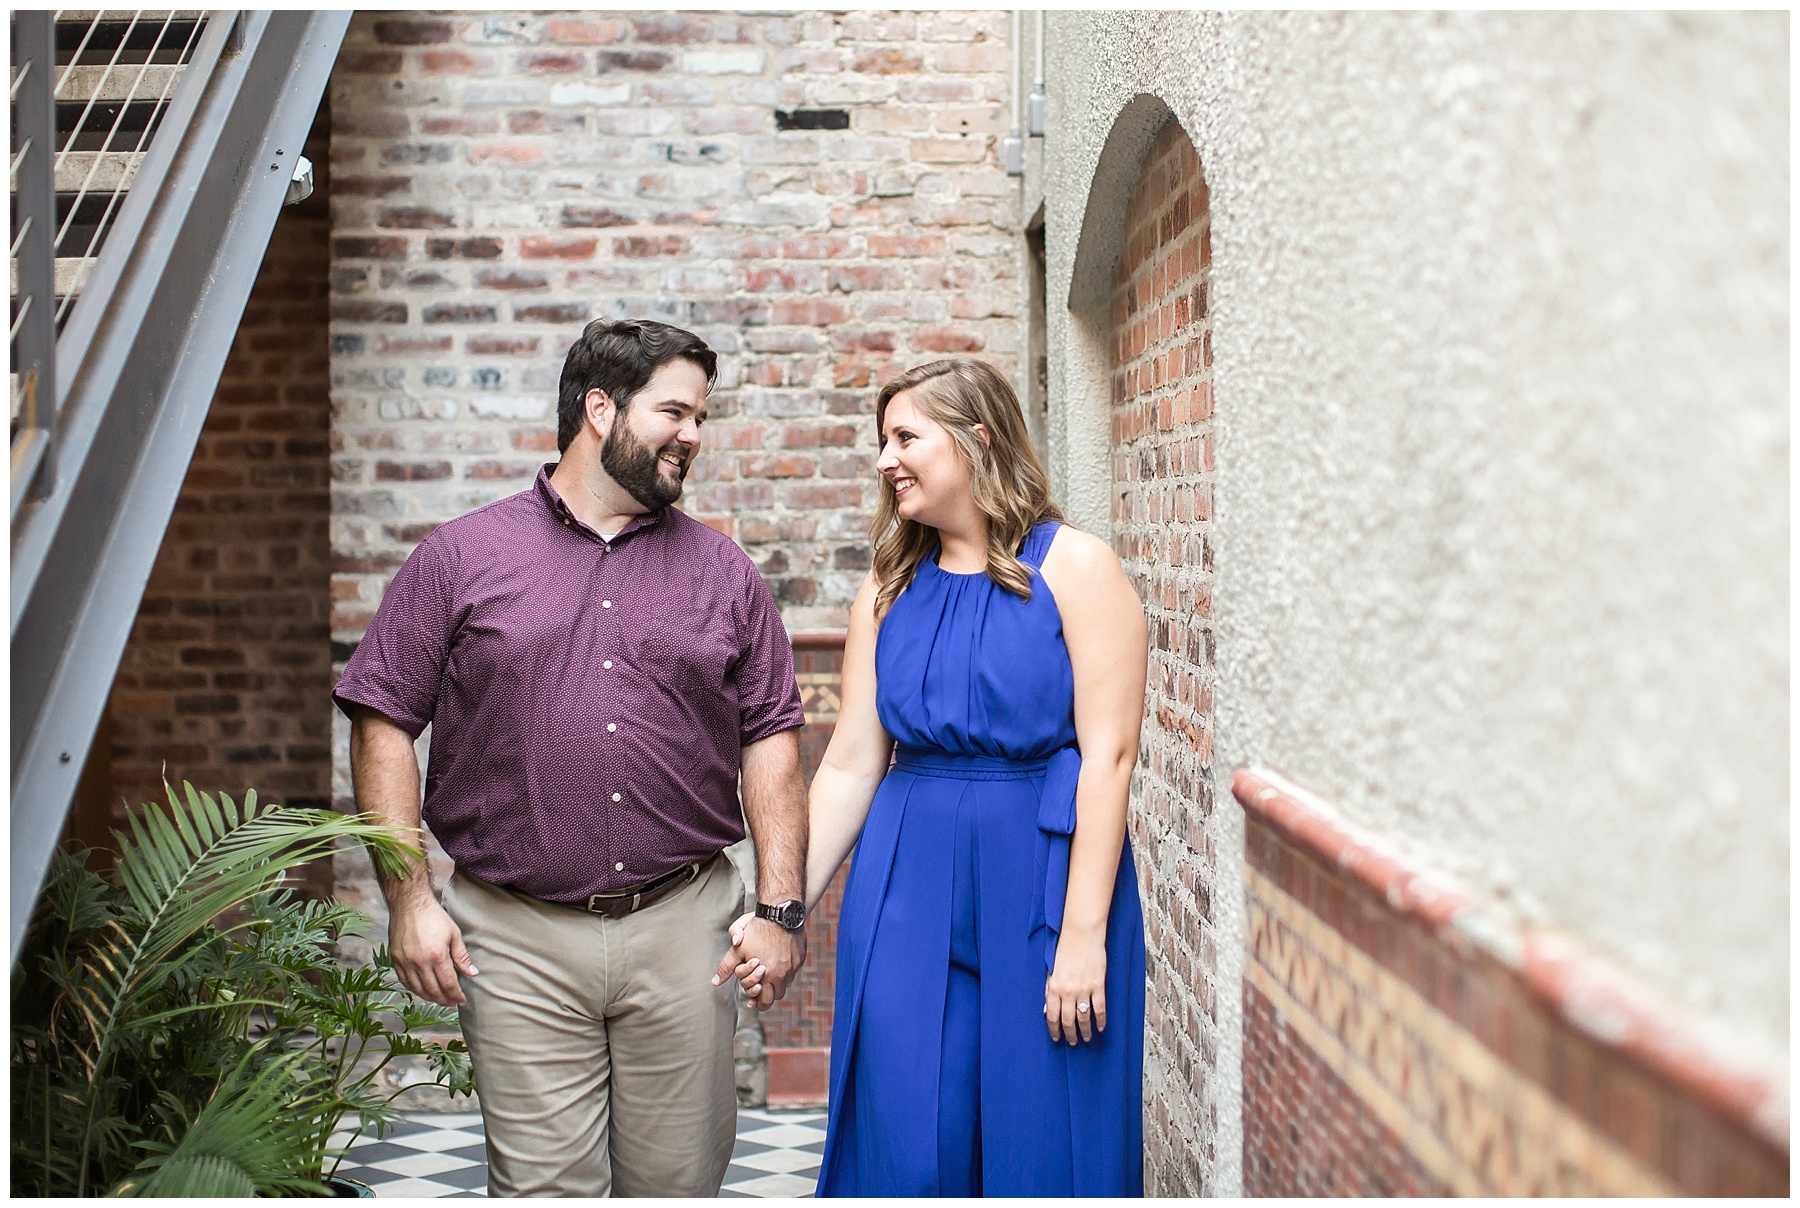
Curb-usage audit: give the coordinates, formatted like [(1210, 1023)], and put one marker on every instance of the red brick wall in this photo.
[(505, 177), (1402, 1038), (1162, 531), (802, 1019), (226, 676)]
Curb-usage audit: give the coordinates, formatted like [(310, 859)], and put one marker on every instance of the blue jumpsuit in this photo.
[(944, 1081)]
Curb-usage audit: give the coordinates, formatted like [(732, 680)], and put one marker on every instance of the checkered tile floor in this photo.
[(436, 1156)]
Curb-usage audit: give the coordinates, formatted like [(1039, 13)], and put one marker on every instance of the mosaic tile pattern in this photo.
[(433, 1156)]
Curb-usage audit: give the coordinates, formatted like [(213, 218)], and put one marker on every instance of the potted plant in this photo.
[(185, 1029)]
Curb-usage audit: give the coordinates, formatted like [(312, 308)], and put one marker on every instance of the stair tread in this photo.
[(113, 171), (72, 274), (125, 82)]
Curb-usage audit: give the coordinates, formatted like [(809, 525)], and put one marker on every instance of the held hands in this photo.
[(1075, 994), (427, 950), (764, 957)]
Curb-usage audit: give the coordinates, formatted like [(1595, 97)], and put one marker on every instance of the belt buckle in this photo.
[(610, 905)]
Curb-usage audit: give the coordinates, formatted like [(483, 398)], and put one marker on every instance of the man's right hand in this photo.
[(427, 949)]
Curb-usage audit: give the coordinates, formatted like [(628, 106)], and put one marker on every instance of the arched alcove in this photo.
[(1080, 424), (1146, 279)]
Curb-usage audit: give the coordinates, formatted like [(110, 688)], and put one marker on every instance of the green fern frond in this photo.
[(254, 1129), (200, 1176), (176, 881)]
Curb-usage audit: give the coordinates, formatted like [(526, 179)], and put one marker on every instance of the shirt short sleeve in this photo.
[(768, 696), (398, 667)]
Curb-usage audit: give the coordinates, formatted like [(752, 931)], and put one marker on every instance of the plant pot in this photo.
[(348, 1189)]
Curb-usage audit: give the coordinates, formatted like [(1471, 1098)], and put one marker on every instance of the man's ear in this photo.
[(597, 405)]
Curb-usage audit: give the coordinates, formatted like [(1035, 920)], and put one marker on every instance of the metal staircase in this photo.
[(151, 155)]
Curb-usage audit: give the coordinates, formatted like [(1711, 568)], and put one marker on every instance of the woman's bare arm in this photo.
[(1108, 641), (855, 761), (856, 758)]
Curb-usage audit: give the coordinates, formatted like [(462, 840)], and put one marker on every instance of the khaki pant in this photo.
[(602, 1049)]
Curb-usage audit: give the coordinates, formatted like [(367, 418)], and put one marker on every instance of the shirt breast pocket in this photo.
[(688, 661)]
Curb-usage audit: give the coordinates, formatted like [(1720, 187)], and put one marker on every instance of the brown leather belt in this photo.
[(618, 905)]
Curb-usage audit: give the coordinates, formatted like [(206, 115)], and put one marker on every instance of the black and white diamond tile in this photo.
[(428, 1156), (431, 1156), (776, 1156)]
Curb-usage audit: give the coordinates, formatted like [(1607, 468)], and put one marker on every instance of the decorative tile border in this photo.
[(1503, 1059), (1468, 1117)]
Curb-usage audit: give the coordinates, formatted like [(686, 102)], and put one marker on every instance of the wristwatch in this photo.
[(790, 914)]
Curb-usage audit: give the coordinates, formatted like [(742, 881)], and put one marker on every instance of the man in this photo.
[(598, 669)]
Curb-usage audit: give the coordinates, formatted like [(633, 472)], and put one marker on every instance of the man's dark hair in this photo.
[(619, 357)]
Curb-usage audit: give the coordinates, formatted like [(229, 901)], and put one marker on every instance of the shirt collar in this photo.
[(560, 509)]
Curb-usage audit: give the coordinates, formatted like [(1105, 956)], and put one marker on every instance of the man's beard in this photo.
[(637, 467)]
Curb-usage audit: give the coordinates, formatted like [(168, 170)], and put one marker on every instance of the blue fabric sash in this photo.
[(1055, 821)]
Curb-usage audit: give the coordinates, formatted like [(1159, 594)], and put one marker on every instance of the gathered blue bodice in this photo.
[(965, 667)]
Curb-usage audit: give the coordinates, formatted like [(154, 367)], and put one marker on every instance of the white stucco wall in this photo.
[(1500, 359)]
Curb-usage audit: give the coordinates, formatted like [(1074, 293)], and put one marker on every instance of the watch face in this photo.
[(788, 914)]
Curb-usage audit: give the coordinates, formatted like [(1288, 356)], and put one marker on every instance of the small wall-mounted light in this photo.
[(301, 186)]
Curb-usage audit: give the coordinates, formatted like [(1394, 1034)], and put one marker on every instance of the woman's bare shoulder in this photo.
[(1074, 553), (1086, 578)]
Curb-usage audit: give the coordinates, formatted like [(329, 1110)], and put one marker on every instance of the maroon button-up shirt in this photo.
[(588, 700)]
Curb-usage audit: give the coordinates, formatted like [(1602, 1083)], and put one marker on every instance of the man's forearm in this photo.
[(775, 807), (385, 775)]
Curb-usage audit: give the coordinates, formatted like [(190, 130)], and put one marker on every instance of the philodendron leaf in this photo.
[(428, 1017), (450, 1062)]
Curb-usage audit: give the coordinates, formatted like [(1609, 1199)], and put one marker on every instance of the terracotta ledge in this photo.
[(798, 1077), (818, 639), (1585, 990)]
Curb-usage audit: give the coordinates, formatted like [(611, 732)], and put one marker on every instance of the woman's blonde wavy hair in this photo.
[(1005, 476)]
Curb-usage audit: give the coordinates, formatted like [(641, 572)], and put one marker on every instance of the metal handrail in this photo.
[(33, 336)]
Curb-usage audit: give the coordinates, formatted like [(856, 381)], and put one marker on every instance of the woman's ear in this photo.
[(987, 442)]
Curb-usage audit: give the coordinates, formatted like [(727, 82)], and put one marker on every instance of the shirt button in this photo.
[(607, 664), (611, 726), (620, 867), (606, 603), (615, 796)]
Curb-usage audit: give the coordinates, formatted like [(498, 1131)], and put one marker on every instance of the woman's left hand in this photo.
[(1075, 995)]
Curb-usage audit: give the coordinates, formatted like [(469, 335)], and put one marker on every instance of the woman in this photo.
[(990, 994)]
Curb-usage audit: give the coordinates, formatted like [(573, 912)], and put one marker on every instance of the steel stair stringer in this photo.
[(136, 366)]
